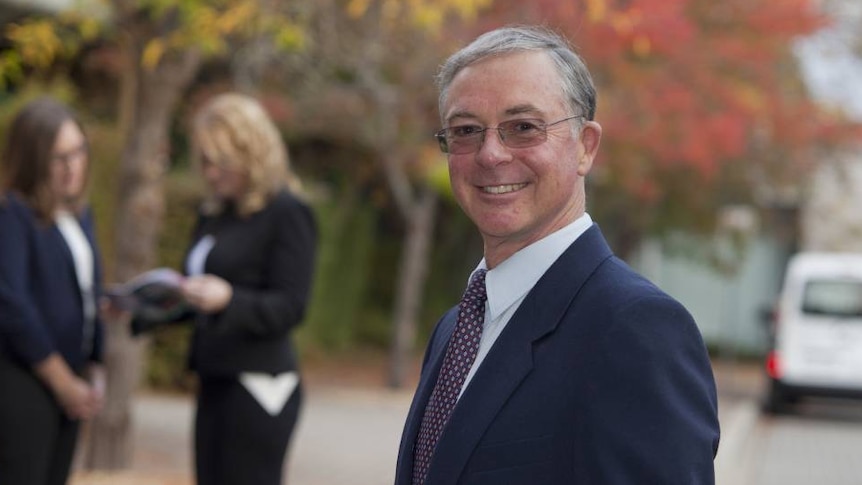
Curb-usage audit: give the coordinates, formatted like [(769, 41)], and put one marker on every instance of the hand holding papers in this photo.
[(155, 294), (207, 293)]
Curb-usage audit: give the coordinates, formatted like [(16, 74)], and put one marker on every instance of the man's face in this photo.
[(517, 196)]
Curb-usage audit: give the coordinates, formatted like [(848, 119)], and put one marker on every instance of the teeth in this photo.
[(503, 189)]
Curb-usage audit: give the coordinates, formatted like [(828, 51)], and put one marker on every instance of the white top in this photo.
[(509, 283), (197, 258), (82, 255)]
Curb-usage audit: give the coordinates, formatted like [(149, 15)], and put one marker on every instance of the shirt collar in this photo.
[(513, 278)]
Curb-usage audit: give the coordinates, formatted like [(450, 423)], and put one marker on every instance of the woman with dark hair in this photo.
[(50, 333), (248, 278)]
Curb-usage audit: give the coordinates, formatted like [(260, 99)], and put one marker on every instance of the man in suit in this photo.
[(566, 366)]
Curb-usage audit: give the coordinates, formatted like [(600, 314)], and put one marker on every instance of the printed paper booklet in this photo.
[(155, 293)]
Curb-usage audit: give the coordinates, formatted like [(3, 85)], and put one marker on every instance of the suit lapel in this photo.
[(511, 358)]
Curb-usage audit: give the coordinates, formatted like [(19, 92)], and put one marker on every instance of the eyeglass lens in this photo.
[(522, 133)]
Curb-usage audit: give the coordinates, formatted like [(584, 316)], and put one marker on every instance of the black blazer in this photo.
[(599, 378), (41, 309), (268, 257)]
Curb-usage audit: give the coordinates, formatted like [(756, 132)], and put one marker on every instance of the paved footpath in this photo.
[(356, 429), (350, 434)]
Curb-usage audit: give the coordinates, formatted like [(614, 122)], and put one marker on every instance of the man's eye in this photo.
[(523, 126), (464, 130)]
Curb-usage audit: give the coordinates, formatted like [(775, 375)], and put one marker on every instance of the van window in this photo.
[(840, 298)]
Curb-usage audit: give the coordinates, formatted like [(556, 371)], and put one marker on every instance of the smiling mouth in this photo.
[(502, 189)]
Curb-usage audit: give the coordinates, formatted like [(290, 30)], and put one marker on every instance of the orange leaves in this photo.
[(689, 81), (693, 93), (790, 17), (614, 27)]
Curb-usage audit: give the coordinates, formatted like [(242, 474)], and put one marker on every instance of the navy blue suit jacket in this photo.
[(268, 258), (41, 310), (599, 378)]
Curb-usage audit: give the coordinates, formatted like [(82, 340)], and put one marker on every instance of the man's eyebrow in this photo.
[(523, 109), (513, 111), (460, 114)]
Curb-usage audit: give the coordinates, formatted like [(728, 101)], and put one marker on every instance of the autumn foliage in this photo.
[(700, 100)]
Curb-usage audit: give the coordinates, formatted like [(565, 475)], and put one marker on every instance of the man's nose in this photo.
[(492, 149)]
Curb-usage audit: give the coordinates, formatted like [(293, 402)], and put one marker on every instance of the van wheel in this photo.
[(773, 404), (777, 399)]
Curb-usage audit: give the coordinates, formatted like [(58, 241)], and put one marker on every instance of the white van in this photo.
[(817, 330)]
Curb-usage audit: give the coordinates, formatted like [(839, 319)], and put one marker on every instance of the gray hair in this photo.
[(577, 84)]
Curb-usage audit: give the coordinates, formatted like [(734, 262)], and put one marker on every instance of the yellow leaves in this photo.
[(237, 16), (641, 46), (427, 15), (465, 9), (159, 8), (438, 177), (10, 68), (207, 25), (290, 37), (435, 169), (210, 26), (201, 27), (752, 98), (431, 14), (357, 8), (153, 52), (85, 23), (428, 18), (40, 42), (88, 28), (470, 9), (596, 10), (36, 41)]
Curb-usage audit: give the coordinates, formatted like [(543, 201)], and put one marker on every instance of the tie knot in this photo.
[(476, 288)]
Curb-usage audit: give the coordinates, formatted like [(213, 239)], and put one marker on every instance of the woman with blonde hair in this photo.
[(249, 269)]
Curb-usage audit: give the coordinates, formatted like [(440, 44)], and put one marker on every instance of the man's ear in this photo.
[(591, 137)]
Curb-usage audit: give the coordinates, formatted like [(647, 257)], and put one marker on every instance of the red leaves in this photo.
[(688, 83)]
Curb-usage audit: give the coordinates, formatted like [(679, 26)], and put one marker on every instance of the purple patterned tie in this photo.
[(460, 354)]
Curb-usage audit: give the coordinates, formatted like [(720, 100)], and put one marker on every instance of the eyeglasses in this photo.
[(466, 139), (75, 154)]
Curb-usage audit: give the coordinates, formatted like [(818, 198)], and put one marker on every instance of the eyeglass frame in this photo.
[(73, 154), (443, 141)]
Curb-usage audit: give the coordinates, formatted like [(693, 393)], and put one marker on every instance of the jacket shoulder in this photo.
[(12, 206), (288, 207), (286, 201)]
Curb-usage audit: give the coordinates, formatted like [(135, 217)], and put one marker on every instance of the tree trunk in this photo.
[(411, 283), (154, 95)]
